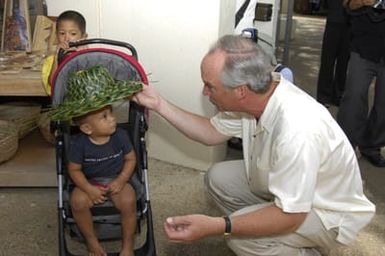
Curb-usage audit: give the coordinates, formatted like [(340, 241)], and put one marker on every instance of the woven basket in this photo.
[(25, 116), (45, 128), (9, 140)]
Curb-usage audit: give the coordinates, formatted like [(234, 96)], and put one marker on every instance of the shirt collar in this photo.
[(266, 120)]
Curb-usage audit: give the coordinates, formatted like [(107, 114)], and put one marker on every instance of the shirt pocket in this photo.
[(259, 179)]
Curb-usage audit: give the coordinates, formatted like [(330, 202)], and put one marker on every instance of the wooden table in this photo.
[(25, 83), (27, 168)]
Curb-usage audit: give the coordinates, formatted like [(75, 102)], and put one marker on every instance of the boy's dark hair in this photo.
[(79, 120), (72, 16)]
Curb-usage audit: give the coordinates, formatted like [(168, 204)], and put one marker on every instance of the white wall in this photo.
[(171, 37)]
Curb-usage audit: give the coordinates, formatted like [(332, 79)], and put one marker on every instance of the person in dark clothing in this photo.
[(314, 6), (364, 128), (334, 56)]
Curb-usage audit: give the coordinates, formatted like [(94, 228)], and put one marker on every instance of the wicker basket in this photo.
[(9, 140), (25, 116), (45, 128)]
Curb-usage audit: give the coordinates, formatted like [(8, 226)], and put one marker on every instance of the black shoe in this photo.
[(337, 102), (235, 143), (374, 157)]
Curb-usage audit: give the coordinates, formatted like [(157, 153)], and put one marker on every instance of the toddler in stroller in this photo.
[(100, 159)]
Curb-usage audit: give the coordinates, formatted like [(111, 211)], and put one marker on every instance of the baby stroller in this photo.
[(122, 66)]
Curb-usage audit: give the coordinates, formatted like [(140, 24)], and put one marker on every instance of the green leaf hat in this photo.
[(89, 90)]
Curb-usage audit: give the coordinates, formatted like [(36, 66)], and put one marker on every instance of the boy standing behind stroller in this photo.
[(101, 157), (70, 27)]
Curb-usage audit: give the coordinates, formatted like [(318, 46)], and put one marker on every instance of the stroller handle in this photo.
[(106, 41), (128, 46)]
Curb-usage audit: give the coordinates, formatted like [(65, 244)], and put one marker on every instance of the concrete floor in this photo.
[(28, 215)]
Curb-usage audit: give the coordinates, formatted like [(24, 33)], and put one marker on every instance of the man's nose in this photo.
[(205, 91)]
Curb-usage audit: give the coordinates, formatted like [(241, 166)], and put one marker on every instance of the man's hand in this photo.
[(148, 97), (190, 228)]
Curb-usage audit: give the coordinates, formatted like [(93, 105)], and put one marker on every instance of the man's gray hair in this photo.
[(245, 63)]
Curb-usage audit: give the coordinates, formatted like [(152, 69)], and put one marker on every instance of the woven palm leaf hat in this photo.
[(89, 90)]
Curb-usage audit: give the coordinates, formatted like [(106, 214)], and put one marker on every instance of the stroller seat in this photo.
[(106, 218)]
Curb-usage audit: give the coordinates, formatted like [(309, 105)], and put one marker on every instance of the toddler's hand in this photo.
[(116, 185), (97, 194), (64, 46)]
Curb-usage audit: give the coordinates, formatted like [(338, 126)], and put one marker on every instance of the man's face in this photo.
[(211, 68)]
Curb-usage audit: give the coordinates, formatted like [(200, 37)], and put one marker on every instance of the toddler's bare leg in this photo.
[(81, 205), (125, 202)]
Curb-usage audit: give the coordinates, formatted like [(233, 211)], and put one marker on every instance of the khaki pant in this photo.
[(227, 184)]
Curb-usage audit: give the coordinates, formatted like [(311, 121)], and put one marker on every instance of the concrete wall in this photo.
[(171, 37)]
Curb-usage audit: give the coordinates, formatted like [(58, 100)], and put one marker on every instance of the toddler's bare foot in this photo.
[(95, 249)]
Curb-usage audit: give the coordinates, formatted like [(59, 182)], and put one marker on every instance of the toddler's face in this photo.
[(102, 122), (69, 31)]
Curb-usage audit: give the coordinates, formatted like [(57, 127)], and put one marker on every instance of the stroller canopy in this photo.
[(120, 65)]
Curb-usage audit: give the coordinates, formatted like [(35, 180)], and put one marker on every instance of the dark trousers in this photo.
[(334, 62), (364, 128)]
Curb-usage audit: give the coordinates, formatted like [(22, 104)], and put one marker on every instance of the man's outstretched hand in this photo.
[(148, 98), (189, 228)]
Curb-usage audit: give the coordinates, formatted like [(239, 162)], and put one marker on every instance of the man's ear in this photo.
[(86, 128), (241, 91)]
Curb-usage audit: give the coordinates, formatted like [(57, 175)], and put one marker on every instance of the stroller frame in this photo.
[(136, 125)]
